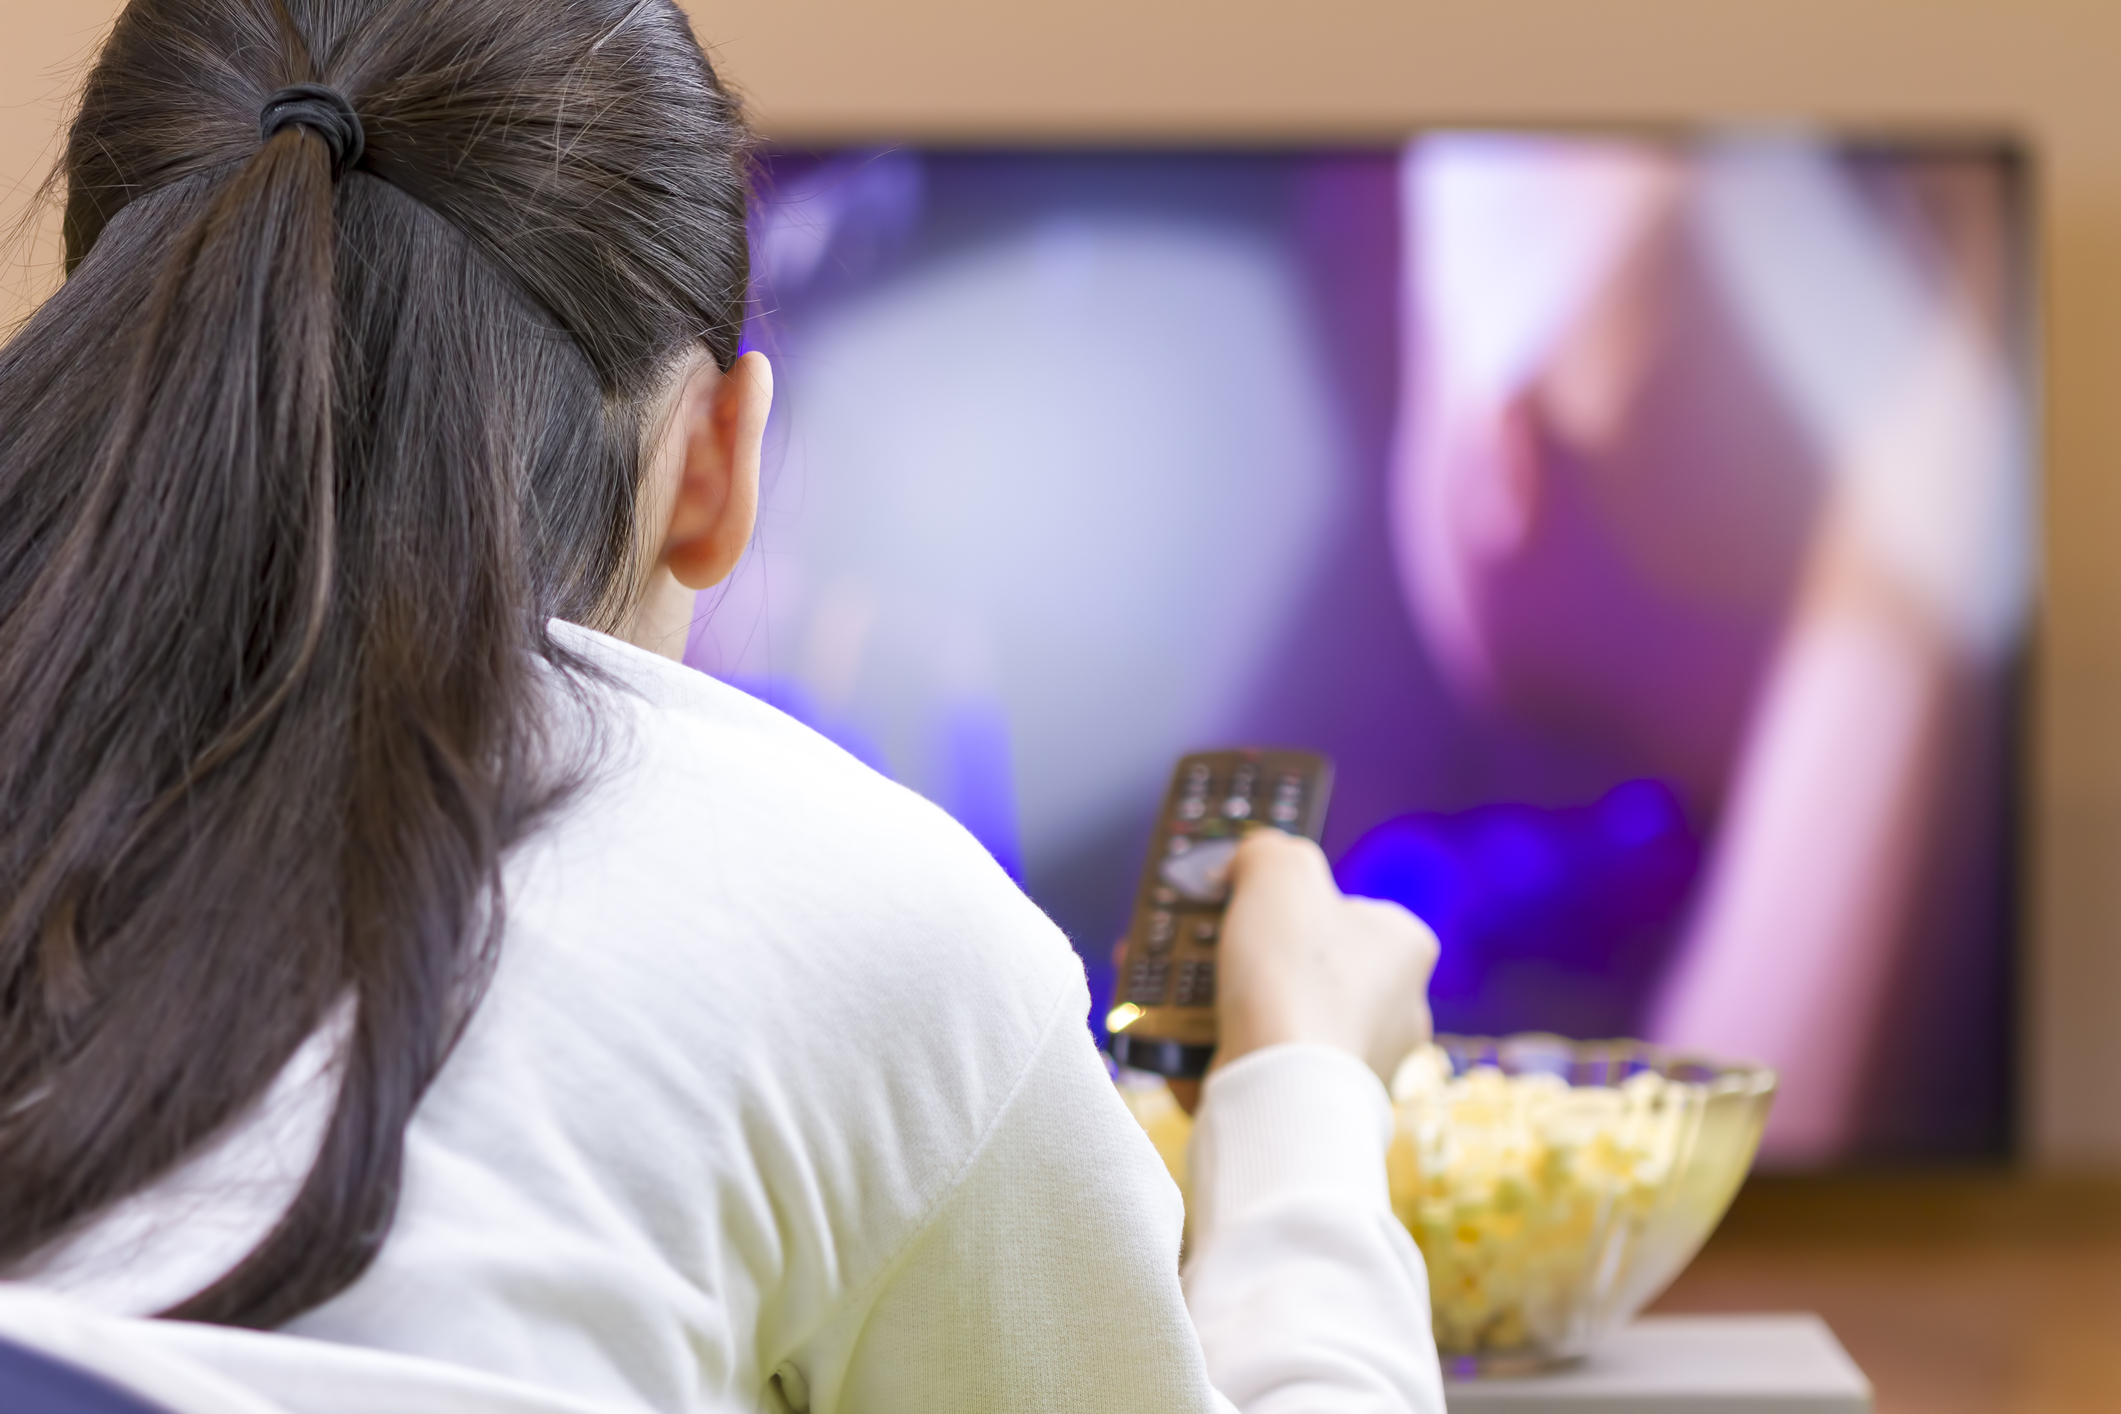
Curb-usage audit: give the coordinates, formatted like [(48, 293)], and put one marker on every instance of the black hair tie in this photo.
[(325, 112)]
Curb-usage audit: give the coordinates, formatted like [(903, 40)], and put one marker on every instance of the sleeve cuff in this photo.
[(1286, 1122)]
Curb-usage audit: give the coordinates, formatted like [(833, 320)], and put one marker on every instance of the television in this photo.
[(1643, 522)]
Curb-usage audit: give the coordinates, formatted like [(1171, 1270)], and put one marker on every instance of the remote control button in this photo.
[(1161, 931), (1193, 801), (1201, 872), (1237, 807), (1146, 982), (1196, 984), (1288, 801), (1164, 897), (1206, 931)]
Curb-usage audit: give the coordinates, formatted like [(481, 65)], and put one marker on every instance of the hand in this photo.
[(1300, 961)]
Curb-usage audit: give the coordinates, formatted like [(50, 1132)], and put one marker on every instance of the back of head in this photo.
[(294, 470)]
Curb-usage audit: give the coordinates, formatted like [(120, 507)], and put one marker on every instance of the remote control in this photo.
[(1163, 1016)]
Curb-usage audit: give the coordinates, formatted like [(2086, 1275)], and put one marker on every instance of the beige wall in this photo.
[(829, 70), (44, 47)]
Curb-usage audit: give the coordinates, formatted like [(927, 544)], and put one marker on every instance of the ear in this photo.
[(718, 436)]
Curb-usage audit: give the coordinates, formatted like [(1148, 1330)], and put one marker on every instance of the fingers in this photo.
[(1282, 856), (1300, 962), (1395, 921), (1407, 949)]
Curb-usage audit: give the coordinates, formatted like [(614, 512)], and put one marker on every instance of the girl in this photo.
[(398, 953)]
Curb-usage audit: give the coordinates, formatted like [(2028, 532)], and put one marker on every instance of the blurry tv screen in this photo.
[(1642, 523)]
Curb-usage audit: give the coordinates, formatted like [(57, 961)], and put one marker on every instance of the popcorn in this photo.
[(1524, 1193), (1546, 1212)]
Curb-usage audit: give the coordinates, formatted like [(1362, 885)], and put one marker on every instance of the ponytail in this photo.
[(293, 470)]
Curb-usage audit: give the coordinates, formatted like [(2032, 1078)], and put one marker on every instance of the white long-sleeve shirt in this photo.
[(781, 1097)]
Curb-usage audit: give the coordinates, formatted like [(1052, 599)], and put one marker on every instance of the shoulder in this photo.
[(721, 835), (661, 729), (724, 800)]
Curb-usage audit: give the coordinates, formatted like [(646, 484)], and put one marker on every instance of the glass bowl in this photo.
[(1556, 1186), (1553, 1186)]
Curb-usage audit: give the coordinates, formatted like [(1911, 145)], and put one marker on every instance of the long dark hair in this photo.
[(293, 473)]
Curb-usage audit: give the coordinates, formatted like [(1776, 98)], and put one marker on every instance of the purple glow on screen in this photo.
[(1563, 914), (1643, 527)]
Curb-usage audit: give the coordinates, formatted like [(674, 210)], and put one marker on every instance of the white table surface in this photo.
[(1689, 1365)]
